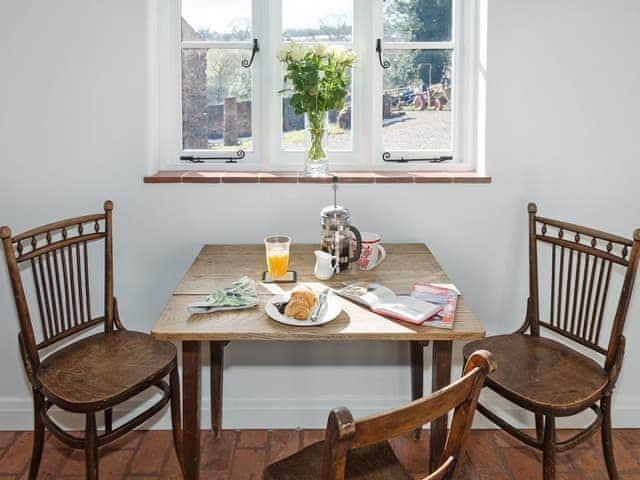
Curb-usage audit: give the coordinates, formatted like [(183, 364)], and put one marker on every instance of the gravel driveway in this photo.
[(425, 130)]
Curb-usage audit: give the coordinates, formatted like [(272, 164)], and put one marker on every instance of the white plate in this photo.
[(329, 312)]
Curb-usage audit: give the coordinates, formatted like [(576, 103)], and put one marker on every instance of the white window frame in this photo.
[(469, 41)]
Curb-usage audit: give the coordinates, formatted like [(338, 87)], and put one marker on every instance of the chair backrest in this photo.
[(57, 255), (344, 434), (582, 260)]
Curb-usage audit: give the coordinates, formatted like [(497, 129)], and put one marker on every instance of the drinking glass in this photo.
[(277, 250)]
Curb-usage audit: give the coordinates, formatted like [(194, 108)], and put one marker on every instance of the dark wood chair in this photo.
[(548, 377), (97, 372), (359, 450)]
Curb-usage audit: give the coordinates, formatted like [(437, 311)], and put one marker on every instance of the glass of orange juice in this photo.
[(277, 249)]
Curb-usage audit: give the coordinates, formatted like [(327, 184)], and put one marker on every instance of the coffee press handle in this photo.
[(356, 233)]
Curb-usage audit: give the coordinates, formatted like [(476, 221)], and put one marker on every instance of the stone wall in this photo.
[(215, 120), (291, 121), (194, 94)]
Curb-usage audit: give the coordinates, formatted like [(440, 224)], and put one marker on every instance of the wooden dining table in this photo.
[(218, 265)]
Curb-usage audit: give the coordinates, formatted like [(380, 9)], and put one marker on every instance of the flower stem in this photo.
[(316, 130)]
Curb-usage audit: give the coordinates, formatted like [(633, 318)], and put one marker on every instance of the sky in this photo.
[(218, 14)]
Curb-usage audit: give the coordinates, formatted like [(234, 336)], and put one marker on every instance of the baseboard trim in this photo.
[(289, 413)]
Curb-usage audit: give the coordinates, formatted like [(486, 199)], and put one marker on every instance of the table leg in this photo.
[(191, 409), (417, 375), (216, 351), (441, 377)]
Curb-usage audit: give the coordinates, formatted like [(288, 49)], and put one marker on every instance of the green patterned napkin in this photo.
[(240, 294)]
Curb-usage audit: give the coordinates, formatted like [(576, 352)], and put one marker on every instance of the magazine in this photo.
[(383, 301), (445, 296)]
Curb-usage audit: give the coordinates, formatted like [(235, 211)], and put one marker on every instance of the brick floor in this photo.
[(241, 455)]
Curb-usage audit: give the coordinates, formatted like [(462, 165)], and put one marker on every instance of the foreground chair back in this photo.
[(359, 449), (580, 286), (52, 263)]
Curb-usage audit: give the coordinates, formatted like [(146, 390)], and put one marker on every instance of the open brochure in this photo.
[(383, 301), (445, 296)]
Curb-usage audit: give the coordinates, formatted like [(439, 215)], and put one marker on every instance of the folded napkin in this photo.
[(240, 294)]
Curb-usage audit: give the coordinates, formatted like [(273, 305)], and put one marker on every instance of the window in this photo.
[(418, 95), (217, 88), (331, 23), (416, 92)]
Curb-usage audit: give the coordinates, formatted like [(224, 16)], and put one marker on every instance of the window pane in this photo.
[(418, 20), (417, 101), (340, 132), (216, 98), (313, 21), (216, 20)]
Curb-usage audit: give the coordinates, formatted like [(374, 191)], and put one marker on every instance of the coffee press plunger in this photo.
[(337, 233)]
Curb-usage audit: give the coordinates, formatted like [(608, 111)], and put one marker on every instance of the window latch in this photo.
[(384, 63), (386, 156), (256, 48), (239, 155)]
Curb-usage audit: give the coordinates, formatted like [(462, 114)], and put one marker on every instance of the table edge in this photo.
[(311, 337)]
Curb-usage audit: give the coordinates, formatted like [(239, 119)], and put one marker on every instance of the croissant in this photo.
[(301, 303)]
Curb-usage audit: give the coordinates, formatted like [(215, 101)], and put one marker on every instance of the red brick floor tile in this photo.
[(216, 455), (253, 439), (311, 436), (114, 464), (52, 461), (248, 464), (74, 463), (413, 454), (152, 453), (6, 439), (131, 441), (283, 443), (522, 461), (484, 454), (16, 457)]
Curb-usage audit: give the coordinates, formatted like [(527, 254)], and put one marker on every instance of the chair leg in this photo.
[(539, 426), (91, 447), (549, 453), (176, 415), (108, 420), (607, 439), (38, 435)]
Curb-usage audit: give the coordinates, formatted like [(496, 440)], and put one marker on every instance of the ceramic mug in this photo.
[(373, 253)]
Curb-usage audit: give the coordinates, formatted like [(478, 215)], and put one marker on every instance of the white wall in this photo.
[(74, 123)]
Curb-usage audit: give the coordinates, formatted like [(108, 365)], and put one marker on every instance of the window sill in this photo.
[(192, 176)]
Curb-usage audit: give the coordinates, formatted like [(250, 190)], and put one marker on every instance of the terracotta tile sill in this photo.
[(192, 176)]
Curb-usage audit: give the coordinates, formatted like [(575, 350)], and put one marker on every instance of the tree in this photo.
[(419, 21), (225, 76)]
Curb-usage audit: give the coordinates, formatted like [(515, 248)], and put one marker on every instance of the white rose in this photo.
[(351, 57), (321, 50), (298, 53), (284, 53), (338, 52)]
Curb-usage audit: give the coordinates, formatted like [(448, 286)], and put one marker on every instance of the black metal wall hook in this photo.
[(256, 48), (384, 63)]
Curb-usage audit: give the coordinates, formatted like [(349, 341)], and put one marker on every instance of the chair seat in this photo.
[(374, 462), (543, 374), (102, 370)]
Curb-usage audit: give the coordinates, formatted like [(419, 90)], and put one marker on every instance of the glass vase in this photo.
[(316, 141)]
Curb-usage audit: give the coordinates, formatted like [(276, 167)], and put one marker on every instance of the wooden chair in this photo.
[(546, 376), (359, 450), (94, 373)]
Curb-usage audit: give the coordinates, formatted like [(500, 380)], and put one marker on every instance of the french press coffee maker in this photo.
[(337, 233)]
